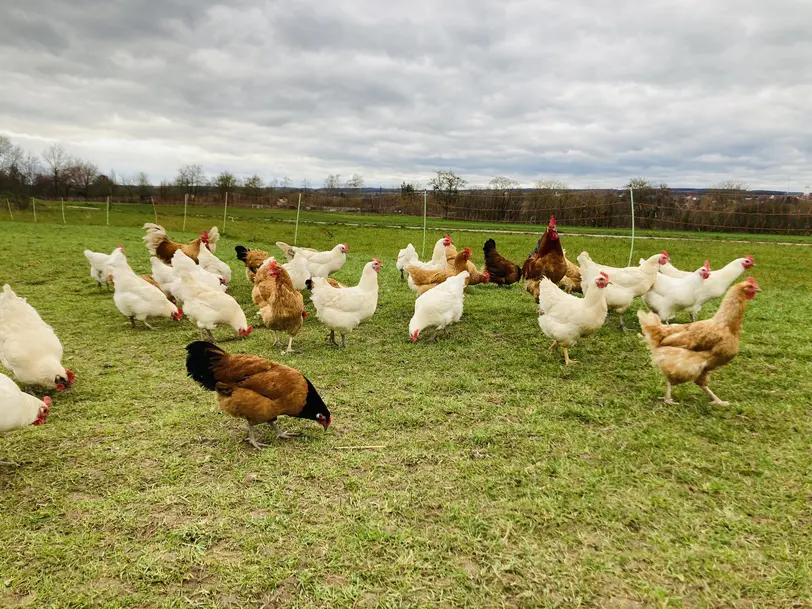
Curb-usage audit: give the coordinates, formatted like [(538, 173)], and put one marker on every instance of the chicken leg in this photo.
[(146, 323), (553, 346), (332, 338), (343, 341), (252, 439), (283, 435), (667, 398), (132, 322), (623, 324), (713, 397), (290, 345), (276, 340), (567, 359)]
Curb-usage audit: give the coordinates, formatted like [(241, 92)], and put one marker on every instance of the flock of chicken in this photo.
[(258, 390)]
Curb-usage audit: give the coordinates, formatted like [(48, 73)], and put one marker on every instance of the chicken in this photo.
[(252, 259), (255, 389), (670, 295), (625, 284), (159, 245), (343, 309), (299, 273), (182, 263), (99, 270), (281, 306), (547, 260), (209, 307), (439, 307), (29, 348), (690, 352), (422, 280), (438, 256), (211, 263), (19, 409), (476, 276), (566, 318), (289, 251), (571, 281), (136, 298), (151, 280), (406, 256), (502, 271), (322, 264), (718, 282)]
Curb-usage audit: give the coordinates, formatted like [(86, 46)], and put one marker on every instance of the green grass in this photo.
[(505, 479)]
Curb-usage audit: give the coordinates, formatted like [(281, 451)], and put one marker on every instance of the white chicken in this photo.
[(29, 348), (343, 309), (211, 263), (407, 255), (182, 263), (209, 307), (298, 271), (322, 264), (136, 298), (566, 318), (99, 270), (717, 284), (625, 284), (19, 409), (670, 295), (438, 307), (438, 260)]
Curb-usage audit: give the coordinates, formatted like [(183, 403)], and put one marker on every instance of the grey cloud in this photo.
[(680, 92)]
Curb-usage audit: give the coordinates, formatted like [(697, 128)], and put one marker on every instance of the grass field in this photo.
[(503, 478)]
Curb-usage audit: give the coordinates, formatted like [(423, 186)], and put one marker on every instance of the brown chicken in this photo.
[(150, 280), (422, 280), (502, 271), (690, 352), (255, 389), (281, 306), (476, 276), (547, 260), (571, 281), (159, 244), (252, 259)]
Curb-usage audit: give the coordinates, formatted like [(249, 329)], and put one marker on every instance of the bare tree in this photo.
[(190, 178), (285, 183), (225, 182), (57, 160), (143, 184), (730, 186), (550, 185), (502, 183), (305, 184), (446, 185), (253, 186), (84, 174), (355, 183), (639, 183), (332, 184)]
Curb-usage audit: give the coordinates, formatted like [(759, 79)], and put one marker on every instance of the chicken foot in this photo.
[(623, 324), (290, 345), (667, 398), (331, 338), (276, 340), (567, 360), (713, 397), (281, 434), (252, 439), (206, 334)]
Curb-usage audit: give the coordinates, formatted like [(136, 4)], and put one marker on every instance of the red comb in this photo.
[(603, 273), (71, 377), (304, 314), (752, 282), (552, 221), (707, 264), (749, 258), (376, 260)]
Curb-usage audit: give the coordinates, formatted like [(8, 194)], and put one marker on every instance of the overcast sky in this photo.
[(591, 92)]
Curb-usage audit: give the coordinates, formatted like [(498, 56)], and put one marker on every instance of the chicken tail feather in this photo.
[(241, 252), (201, 357)]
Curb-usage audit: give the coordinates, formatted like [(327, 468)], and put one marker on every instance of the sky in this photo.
[(588, 92)]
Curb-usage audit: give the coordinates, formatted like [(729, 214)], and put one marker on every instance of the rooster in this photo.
[(566, 318), (99, 270), (502, 271), (439, 307), (159, 245), (547, 260), (255, 389), (252, 259), (690, 352), (135, 297), (19, 409), (343, 309), (29, 348), (281, 306)]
